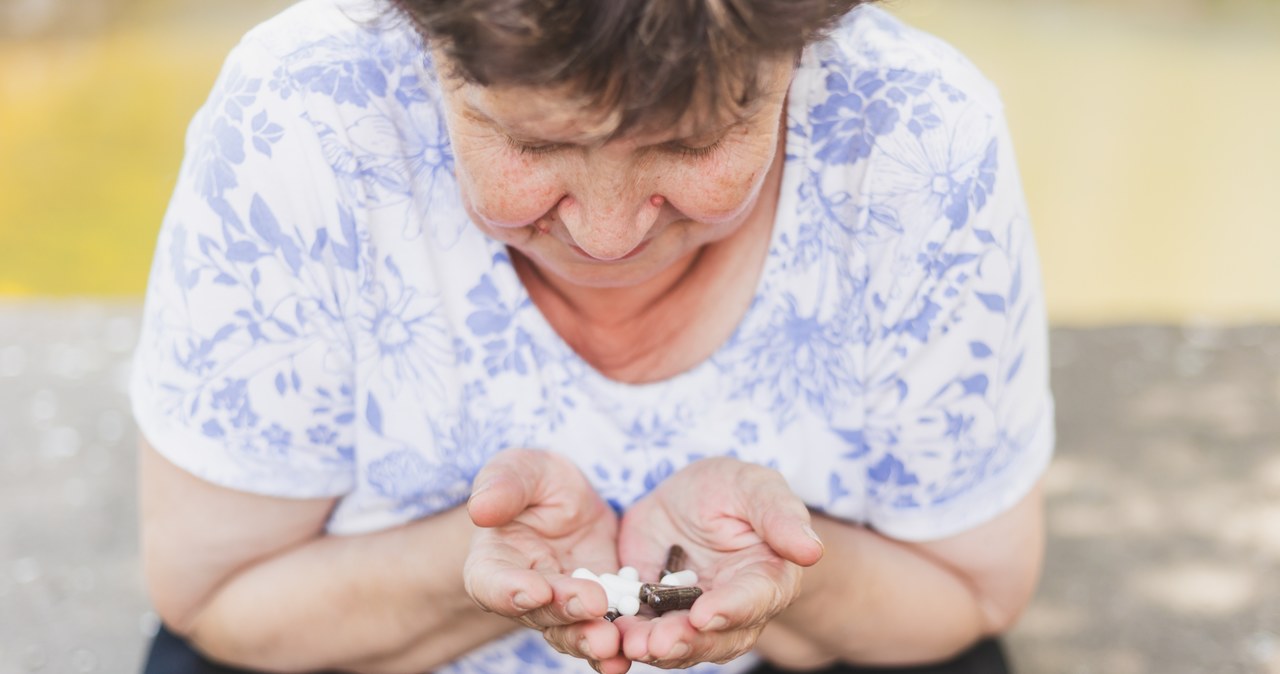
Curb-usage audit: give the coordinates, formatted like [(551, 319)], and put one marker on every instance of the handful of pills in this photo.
[(626, 593)]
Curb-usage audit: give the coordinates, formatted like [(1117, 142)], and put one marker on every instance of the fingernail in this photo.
[(808, 530), (678, 651), (476, 490), (524, 602), (716, 623), (584, 646), (574, 609)]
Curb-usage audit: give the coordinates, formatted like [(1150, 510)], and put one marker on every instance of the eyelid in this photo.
[(532, 148), (696, 152), (681, 147)]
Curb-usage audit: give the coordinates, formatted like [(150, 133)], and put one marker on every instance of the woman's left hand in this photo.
[(746, 535)]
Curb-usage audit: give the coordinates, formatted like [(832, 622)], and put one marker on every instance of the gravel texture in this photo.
[(1163, 500)]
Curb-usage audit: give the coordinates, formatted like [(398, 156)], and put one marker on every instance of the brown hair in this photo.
[(648, 61)]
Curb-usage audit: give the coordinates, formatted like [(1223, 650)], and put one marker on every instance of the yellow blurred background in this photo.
[(1148, 134)]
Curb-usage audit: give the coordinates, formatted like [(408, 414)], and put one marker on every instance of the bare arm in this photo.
[(253, 581), (872, 600)]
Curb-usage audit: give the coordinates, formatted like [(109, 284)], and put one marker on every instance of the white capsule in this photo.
[(629, 605), (611, 593), (615, 584), (629, 572), (686, 578)]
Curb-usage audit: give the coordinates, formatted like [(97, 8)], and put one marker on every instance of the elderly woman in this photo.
[(455, 297)]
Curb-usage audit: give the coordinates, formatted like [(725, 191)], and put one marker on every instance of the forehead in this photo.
[(544, 112), (562, 114)]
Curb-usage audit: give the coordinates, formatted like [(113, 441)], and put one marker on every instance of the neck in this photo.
[(606, 308)]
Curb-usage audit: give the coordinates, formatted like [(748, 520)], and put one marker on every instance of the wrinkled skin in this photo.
[(540, 520), (747, 536), (745, 533)]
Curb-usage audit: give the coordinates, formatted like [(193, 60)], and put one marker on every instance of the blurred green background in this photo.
[(1147, 132)]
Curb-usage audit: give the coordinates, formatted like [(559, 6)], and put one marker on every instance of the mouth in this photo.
[(633, 252)]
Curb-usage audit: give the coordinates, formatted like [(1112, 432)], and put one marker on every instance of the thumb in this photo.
[(782, 520), (508, 485)]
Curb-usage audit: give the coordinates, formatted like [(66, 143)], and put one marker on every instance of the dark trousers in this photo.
[(171, 655)]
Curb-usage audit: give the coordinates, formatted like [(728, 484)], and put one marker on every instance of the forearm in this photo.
[(875, 601), (391, 601)]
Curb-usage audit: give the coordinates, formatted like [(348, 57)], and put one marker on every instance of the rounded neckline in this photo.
[(532, 318)]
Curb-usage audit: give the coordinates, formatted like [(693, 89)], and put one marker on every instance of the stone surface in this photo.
[(1163, 501)]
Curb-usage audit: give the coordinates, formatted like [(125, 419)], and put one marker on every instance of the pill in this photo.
[(675, 560), (629, 605), (615, 584), (684, 578), (663, 599)]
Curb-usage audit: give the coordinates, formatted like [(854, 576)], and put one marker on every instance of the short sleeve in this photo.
[(242, 375), (959, 414)]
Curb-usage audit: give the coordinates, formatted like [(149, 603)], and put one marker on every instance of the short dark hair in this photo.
[(648, 61)]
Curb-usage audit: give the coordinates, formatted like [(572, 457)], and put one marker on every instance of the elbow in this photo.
[(1001, 607), (206, 627), (192, 623), (178, 611), (997, 618), (181, 623)]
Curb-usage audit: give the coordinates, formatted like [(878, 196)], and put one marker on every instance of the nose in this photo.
[(609, 221)]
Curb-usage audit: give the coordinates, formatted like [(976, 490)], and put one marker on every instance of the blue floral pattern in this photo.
[(322, 320)]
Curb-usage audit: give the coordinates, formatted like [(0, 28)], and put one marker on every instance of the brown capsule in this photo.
[(611, 615), (675, 560), (662, 598), (646, 591)]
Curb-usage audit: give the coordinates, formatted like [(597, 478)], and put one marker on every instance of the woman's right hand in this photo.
[(539, 520)]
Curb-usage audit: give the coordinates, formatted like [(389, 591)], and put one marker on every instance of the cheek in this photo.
[(505, 192), (719, 191)]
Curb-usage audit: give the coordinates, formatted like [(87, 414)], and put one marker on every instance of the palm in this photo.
[(718, 543), (539, 521), (743, 532), (544, 540)]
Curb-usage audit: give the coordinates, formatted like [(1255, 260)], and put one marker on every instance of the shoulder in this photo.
[(899, 124), (908, 169), (318, 32), (875, 83), (352, 81), (870, 39), (344, 53)]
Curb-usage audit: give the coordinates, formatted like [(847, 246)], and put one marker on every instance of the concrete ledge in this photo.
[(1164, 500)]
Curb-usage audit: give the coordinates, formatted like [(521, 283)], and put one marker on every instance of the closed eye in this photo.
[(693, 152), (533, 149)]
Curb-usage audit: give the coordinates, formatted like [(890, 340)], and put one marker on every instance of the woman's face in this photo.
[(537, 174)]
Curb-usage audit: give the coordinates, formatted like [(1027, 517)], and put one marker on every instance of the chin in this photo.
[(602, 275), (621, 275)]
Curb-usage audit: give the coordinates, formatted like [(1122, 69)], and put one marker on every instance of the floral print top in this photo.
[(323, 320)]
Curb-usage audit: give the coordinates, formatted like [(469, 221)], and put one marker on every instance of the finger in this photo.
[(614, 665), (506, 590), (717, 647), (573, 600), (506, 486), (783, 521), (588, 639), (751, 597), (671, 637), (675, 644), (635, 637)]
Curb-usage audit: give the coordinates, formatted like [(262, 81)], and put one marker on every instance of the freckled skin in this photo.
[(611, 235)]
